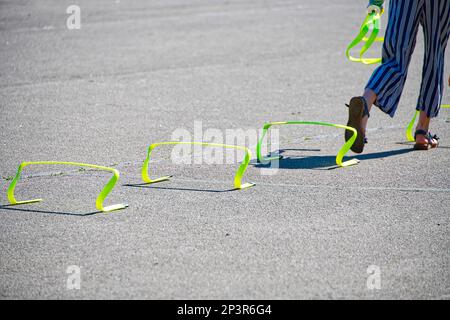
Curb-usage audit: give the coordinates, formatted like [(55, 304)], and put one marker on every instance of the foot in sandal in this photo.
[(425, 140), (358, 114)]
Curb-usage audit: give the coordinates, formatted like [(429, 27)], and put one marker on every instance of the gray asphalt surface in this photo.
[(137, 71)]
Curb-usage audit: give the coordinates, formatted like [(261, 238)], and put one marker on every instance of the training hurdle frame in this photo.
[(237, 183), (100, 198), (372, 21), (344, 149)]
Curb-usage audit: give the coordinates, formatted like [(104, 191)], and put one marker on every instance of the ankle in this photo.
[(364, 121), (370, 97), (419, 128), (424, 122)]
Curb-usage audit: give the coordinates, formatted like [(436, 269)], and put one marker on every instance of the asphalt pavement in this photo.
[(140, 72)]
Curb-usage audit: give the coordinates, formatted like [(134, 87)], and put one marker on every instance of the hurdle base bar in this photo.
[(245, 186), (349, 163), (16, 203), (115, 207), (151, 181), (110, 208)]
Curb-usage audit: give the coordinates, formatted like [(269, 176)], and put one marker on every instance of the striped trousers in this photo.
[(388, 79)]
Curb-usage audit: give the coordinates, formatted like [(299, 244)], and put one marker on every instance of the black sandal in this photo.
[(357, 109), (430, 138)]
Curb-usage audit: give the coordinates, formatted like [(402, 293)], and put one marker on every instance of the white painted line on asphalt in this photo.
[(308, 186)]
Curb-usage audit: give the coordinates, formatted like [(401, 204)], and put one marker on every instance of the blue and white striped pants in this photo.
[(388, 79)]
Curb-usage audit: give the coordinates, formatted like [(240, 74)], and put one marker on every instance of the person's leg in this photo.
[(386, 83), (388, 79), (436, 28)]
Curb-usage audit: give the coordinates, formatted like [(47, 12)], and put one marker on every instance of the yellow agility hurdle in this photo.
[(371, 22), (100, 199), (344, 149), (237, 178)]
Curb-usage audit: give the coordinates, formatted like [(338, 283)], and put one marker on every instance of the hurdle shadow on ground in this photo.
[(325, 162), (16, 208), (412, 145), (149, 186)]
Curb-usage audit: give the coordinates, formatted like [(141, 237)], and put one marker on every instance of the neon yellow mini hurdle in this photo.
[(372, 22), (100, 199), (344, 149), (237, 178)]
